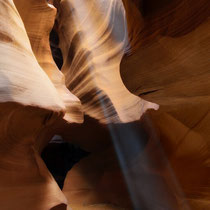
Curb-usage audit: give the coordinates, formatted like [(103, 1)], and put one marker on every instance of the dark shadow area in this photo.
[(149, 7), (56, 51), (59, 207), (60, 157)]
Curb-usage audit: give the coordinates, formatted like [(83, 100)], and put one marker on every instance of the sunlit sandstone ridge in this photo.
[(38, 18), (93, 38)]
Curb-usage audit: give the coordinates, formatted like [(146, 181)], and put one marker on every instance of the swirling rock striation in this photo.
[(93, 38)]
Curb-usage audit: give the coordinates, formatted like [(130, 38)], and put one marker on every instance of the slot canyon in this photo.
[(107, 105)]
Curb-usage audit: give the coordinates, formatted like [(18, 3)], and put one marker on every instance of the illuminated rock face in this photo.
[(38, 18), (30, 104), (169, 65), (22, 79), (93, 38), (161, 53)]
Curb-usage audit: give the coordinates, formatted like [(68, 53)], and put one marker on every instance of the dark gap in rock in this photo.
[(149, 7), (59, 157), (56, 51), (148, 92), (60, 207)]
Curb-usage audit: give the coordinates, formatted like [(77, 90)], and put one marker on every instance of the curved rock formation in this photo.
[(22, 79), (93, 39), (25, 181), (170, 67), (38, 18), (30, 105)]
